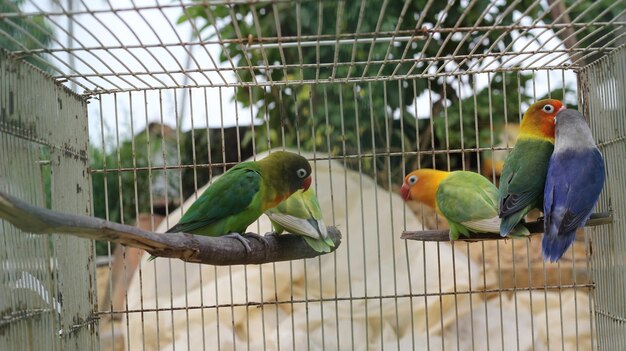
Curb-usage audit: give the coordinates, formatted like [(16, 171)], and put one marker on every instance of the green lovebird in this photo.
[(467, 200), (525, 167), (241, 195), (301, 214)]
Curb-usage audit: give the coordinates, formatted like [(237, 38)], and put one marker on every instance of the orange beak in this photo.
[(306, 184), (406, 194)]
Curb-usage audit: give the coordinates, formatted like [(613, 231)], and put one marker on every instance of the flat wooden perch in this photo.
[(535, 228), (219, 251)]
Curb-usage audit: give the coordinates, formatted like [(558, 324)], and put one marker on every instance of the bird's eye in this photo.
[(412, 180), (301, 173), (548, 108)]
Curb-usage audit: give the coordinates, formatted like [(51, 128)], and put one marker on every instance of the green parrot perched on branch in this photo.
[(301, 214), (467, 200), (525, 167), (241, 195)]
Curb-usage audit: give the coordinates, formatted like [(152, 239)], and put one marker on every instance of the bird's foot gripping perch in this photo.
[(245, 242), (272, 234)]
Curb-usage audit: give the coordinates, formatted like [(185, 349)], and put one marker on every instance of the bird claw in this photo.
[(260, 238), (273, 234), (241, 239), (246, 242)]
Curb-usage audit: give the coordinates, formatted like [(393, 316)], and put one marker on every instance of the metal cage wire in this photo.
[(111, 49), (369, 91)]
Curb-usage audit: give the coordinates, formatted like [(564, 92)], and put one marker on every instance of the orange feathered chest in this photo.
[(274, 201), (272, 196), (274, 188)]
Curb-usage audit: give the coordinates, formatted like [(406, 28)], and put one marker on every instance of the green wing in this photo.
[(468, 202), (301, 214), (467, 196), (524, 175), (229, 205), (522, 181)]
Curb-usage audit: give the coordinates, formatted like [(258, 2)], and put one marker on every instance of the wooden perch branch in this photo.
[(534, 228), (219, 251)]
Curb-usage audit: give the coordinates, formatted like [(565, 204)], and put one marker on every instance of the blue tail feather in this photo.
[(555, 245)]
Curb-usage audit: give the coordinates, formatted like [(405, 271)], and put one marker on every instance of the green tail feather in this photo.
[(509, 222), (519, 231), (456, 230), (319, 245), (329, 242)]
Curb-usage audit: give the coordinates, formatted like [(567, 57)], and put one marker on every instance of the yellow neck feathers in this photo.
[(538, 121)]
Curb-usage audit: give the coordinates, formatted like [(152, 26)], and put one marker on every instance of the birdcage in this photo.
[(126, 110)]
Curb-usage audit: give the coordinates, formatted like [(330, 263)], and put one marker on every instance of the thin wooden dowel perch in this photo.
[(219, 251), (535, 228)]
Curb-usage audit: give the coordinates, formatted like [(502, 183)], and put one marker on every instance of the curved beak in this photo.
[(306, 184), (406, 194), (563, 108)]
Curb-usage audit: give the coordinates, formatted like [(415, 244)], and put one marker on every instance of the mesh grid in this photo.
[(603, 94), (47, 300), (180, 91)]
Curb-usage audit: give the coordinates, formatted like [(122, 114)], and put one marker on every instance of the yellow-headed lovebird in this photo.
[(525, 167), (243, 193), (467, 200), (301, 214), (573, 185)]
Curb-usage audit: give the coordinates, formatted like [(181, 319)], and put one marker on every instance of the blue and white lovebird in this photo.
[(573, 184)]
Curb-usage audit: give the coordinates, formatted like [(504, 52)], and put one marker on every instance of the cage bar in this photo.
[(48, 301), (172, 94)]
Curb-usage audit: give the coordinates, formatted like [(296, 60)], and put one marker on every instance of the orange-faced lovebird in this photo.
[(467, 200), (243, 193), (525, 167), (575, 179), (301, 214)]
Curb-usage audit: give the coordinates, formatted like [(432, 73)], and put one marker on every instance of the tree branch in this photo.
[(535, 228), (219, 251)]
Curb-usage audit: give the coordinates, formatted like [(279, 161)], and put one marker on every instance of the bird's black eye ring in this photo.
[(548, 108), (301, 173), (412, 180)]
